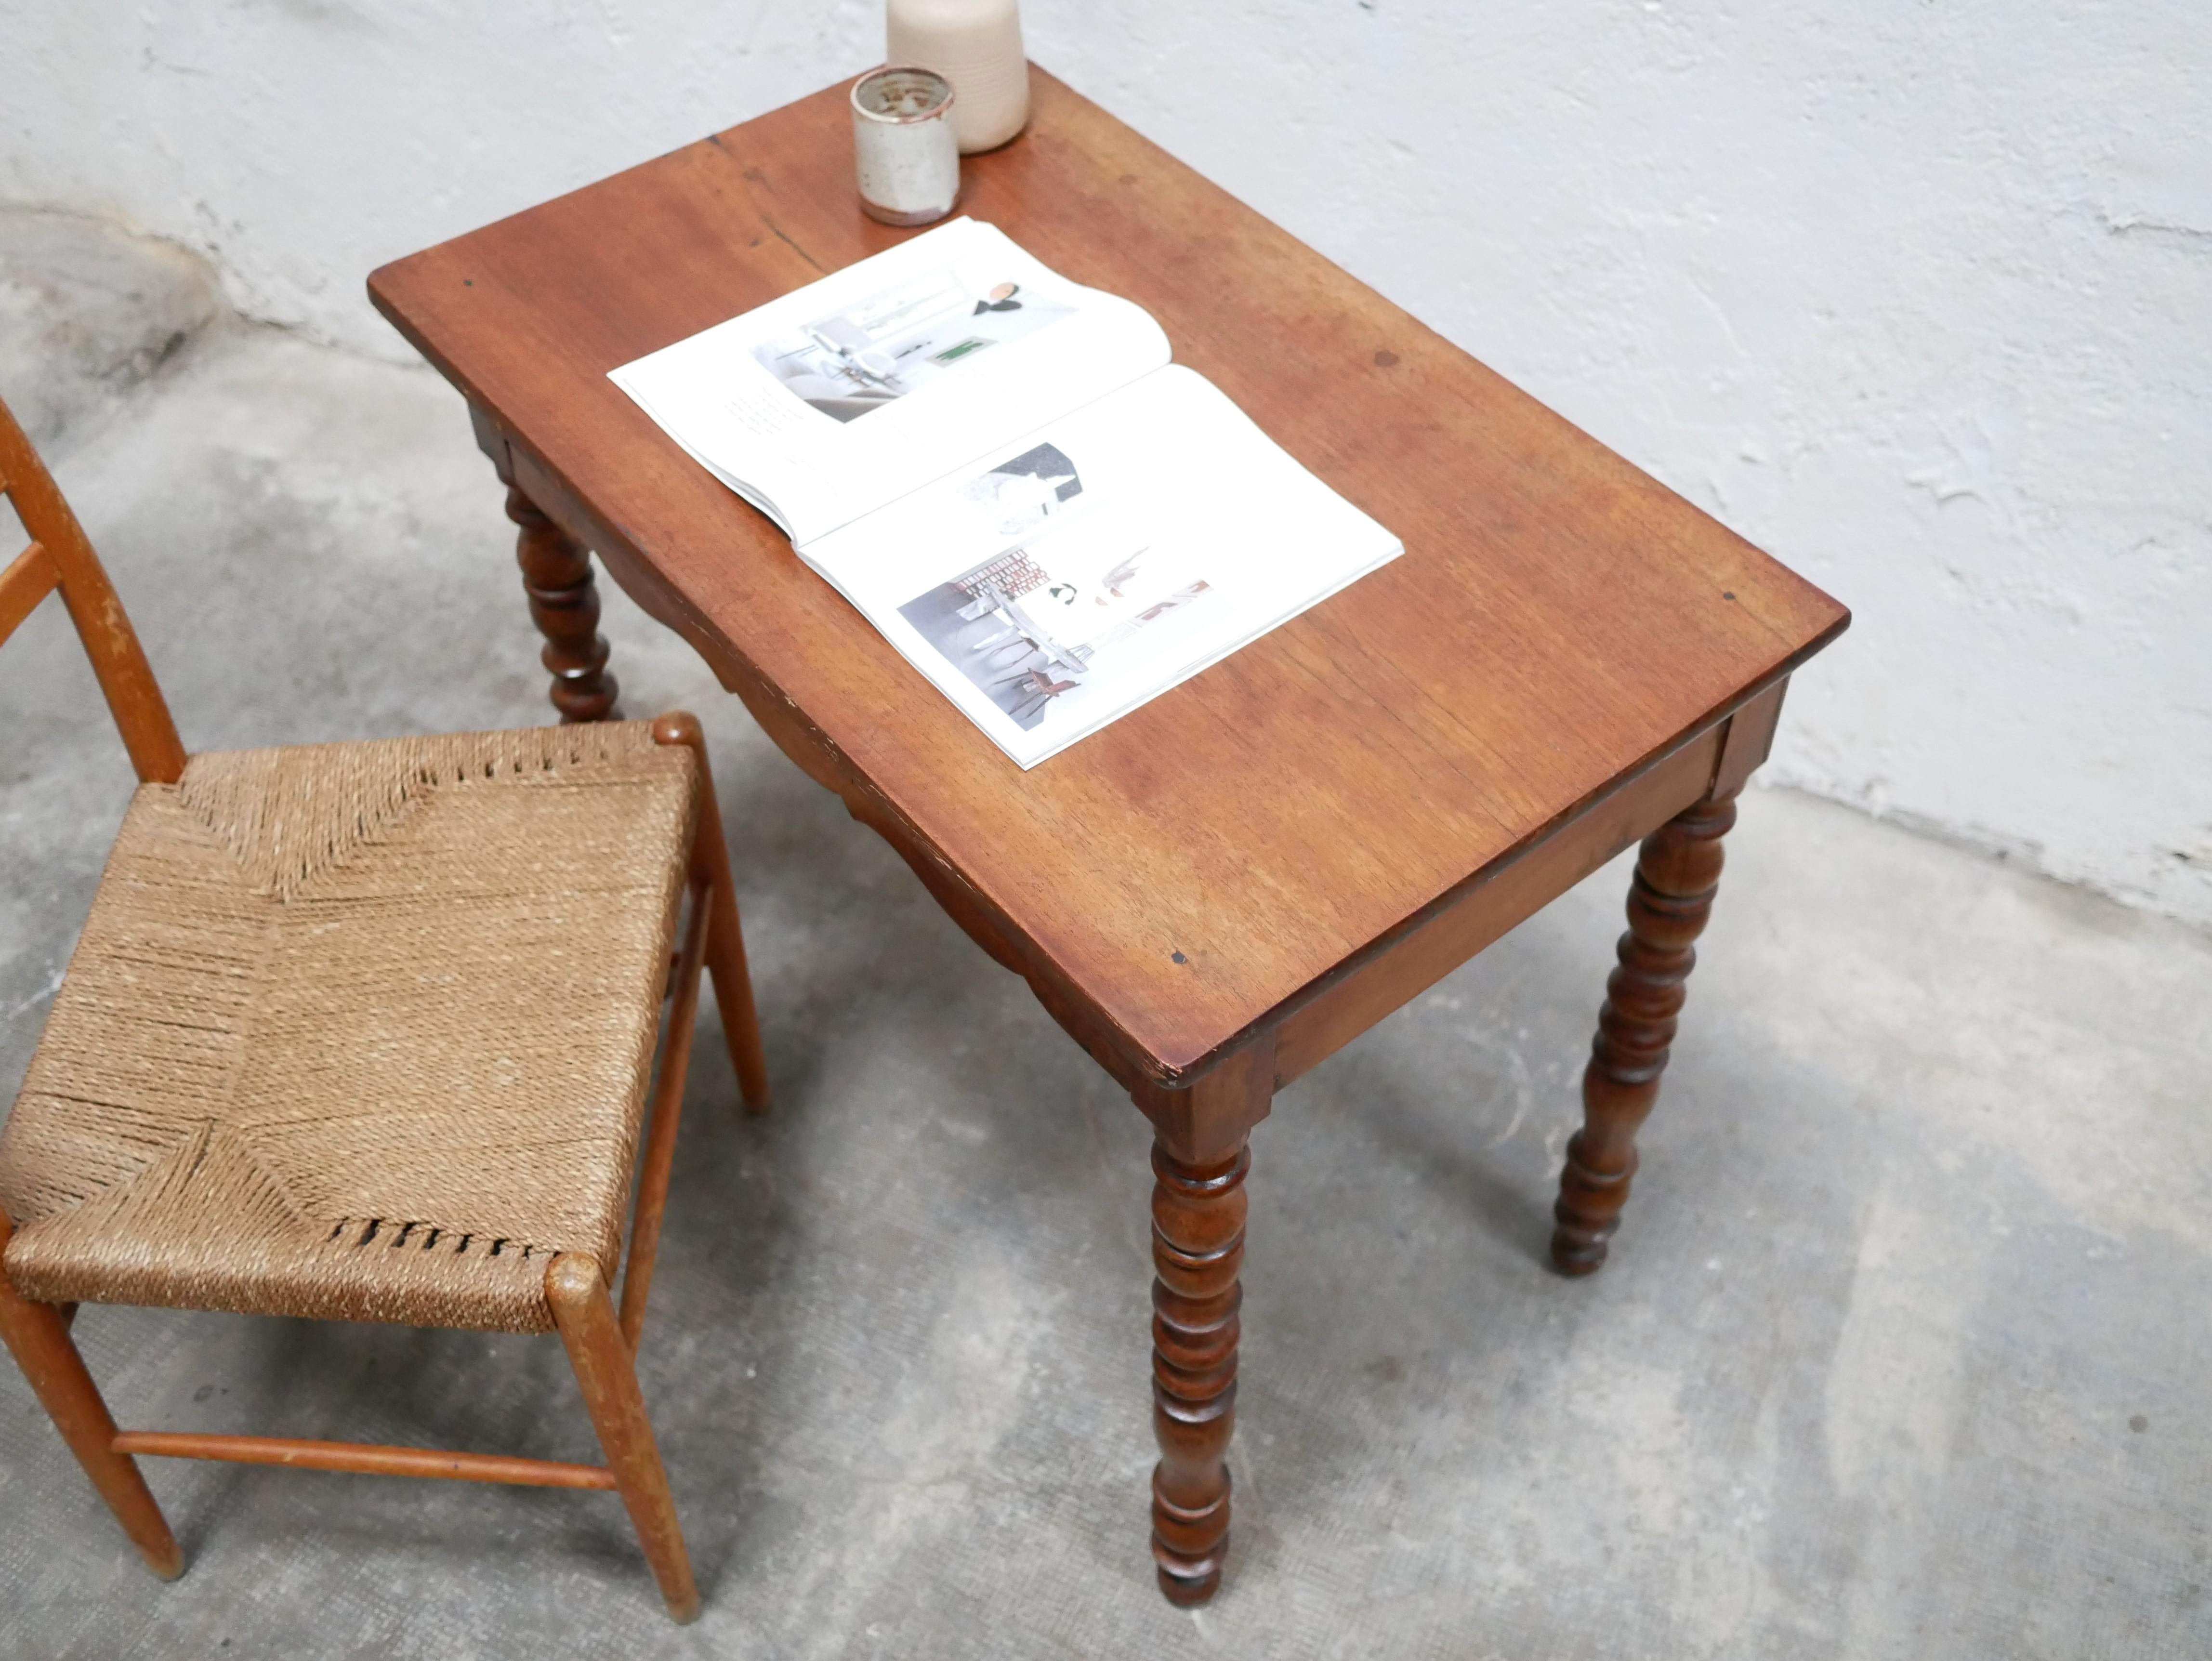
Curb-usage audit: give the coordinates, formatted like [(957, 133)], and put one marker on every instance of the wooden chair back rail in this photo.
[(61, 557), (29, 580), (365, 1457)]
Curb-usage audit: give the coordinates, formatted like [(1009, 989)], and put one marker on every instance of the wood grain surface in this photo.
[(1560, 623)]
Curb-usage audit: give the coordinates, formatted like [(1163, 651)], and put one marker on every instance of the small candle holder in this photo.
[(906, 157)]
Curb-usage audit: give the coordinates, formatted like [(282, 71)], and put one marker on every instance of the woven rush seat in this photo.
[(358, 1032)]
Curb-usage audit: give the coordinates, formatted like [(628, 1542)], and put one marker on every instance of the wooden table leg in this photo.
[(1200, 1158), (564, 604), (1677, 875), (1198, 1247)]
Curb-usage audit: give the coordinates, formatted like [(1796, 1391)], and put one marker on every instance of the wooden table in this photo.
[(1219, 892)]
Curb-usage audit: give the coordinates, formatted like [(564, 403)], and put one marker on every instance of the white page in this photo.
[(1072, 574), (855, 389)]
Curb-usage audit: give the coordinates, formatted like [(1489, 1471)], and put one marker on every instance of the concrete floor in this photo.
[(1901, 1352)]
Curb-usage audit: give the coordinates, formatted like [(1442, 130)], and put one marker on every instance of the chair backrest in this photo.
[(60, 557)]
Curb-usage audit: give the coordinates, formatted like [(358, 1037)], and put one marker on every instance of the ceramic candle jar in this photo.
[(976, 45), (906, 159)]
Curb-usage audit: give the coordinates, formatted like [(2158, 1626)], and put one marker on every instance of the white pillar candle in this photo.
[(976, 45)]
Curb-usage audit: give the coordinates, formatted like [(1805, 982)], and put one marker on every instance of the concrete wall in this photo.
[(1917, 295)]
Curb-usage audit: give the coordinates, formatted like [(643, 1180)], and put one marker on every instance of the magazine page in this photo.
[(1064, 579), (855, 389)]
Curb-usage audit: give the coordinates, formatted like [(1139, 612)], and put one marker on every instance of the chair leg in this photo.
[(664, 1116), (586, 1316), (38, 1338), (726, 941)]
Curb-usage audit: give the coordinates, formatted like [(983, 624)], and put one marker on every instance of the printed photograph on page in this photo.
[(1077, 602), (893, 342)]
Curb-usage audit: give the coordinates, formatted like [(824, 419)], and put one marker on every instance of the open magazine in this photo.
[(1005, 474)]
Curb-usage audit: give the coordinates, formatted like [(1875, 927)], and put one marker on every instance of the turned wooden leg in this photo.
[(37, 1336), (586, 1316), (1200, 1158), (564, 604), (1677, 874), (1198, 1247)]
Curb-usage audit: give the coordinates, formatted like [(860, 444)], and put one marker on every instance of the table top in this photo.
[(1559, 621)]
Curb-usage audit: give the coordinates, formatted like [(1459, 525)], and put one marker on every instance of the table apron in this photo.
[(1308, 1026), (816, 754), (1490, 905)]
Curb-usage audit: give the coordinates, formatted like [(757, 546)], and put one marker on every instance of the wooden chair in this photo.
[(343, 1040)]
